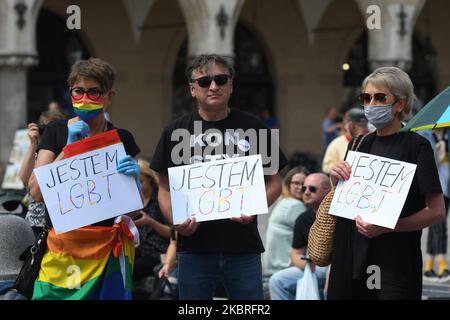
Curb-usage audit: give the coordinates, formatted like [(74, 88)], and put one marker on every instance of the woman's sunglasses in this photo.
[(205, 82), (78, 93), (366, 98)]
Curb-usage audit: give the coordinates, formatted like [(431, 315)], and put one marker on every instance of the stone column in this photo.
[(137, 11), (211, 25), (17, 53), (391, 43)]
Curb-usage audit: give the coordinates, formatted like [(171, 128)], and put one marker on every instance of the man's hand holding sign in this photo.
[(232, 188), (372, 191)]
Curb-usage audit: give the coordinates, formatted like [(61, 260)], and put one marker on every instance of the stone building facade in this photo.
[(290, 56)]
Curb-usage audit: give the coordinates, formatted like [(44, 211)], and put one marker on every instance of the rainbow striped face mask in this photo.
[(86, 108), (87, 104)]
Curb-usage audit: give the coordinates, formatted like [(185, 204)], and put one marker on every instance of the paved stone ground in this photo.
[(432, 290)]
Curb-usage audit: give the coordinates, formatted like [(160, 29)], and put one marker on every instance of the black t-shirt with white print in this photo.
[(191, 139)]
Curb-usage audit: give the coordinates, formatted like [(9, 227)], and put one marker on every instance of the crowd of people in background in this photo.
[(199, 257)]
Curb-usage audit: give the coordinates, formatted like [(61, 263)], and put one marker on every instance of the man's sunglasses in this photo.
[(366, 98), (312, 189), (205, 82)]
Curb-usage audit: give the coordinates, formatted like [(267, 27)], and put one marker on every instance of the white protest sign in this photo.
[(86, 188), (218, 189), (11, 179), (376, 190)]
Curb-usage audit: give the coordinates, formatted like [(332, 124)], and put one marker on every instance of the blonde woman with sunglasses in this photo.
[(387, 95)]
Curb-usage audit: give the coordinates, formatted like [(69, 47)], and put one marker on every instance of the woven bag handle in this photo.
[(357, 142)]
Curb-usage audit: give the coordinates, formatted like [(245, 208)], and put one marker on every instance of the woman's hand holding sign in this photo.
[(77, 131), (369, 230), (130, 167), (340, 171)]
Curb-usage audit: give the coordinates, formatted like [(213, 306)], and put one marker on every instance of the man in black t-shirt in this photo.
[(229, 249), (283, 284)]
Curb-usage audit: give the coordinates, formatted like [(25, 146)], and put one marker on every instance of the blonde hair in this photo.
[(144, 165), (398, 83)]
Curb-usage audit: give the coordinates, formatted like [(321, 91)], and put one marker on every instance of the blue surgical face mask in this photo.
[(379, 116)]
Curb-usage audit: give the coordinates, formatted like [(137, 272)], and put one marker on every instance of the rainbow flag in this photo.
[(93, 263)]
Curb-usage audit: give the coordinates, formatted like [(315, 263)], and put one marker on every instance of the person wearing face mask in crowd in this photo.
[(355, 124), (91, 88), (282, 220), (387, 95)]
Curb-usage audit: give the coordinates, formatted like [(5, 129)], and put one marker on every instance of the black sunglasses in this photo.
[(205, 82), (366, 98), (313, 189)]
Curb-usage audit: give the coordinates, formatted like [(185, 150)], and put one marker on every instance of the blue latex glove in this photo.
[(77, 131), (130, 167)]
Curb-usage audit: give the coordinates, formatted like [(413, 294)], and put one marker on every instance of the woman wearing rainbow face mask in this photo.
[(105, 273)]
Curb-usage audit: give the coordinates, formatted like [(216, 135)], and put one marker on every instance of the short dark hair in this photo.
[(93, 68), (203, 63), (356, 115), (49, 116)]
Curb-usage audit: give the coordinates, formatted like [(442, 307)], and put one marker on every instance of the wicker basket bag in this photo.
[(321, 234)]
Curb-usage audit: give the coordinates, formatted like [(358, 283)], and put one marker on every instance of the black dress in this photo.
[(397, 254)]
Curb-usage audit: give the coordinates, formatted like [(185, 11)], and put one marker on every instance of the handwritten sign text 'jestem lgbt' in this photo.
[(218, 189), (376, 190), (86, 188)]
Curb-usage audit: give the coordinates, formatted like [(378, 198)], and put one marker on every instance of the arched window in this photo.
[(422, 72), (58, 48)]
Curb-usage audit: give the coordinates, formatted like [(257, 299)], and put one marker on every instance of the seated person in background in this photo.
[(283, 284), (154, 231), (281, 221)]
